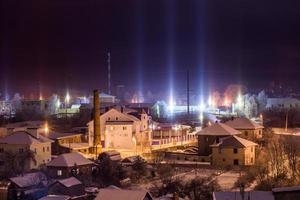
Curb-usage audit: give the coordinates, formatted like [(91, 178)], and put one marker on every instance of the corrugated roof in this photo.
[(115, 194), (69, 182), (218, 129), (69, 160), (23, 137), (234, 142), (243, 123)]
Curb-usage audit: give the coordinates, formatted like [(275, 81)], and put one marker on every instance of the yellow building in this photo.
[(233, 150), (248, 128), (21, 141)]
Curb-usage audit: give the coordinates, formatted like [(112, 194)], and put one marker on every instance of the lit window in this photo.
[(111, 128), (59, 172)]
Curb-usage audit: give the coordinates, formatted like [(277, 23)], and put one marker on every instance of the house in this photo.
[(63, 141), (247, 127), (21, 141), (233, 150), (251, 195), (69, 164), (23, 126), (71, 187), (286, 193), (112, 155), (211, 135), (114, 193), (30, 186), (121, 129)]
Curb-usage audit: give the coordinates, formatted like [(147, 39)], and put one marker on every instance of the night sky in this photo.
[(57, 44)]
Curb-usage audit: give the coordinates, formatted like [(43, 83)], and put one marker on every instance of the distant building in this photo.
[(71, 187), (28, 186), (233, 150), (30, 139), (114, 193), (286, 103), (211, 135), (23, 126), (248, 128), (69, 164)]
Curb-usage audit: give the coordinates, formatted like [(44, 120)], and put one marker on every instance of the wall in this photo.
[(119, 136), (226, 157)]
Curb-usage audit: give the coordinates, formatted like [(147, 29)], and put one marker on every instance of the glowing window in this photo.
[(59, 172)]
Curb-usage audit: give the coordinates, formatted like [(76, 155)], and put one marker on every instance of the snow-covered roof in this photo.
[(218, 129), (69, 182), (234, 142), (111, 193), (285, 101), (23, 137), (29, 179), (55, 197), (104, 95), (56, 135), (243, 123), (69, 160), (252, 195), (32, 124), (286, 189)]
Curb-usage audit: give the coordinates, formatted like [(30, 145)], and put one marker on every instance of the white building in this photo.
[(121, 129), (286, 102)]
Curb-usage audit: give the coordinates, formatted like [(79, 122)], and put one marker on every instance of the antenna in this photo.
[(108, 75), (188, 92)]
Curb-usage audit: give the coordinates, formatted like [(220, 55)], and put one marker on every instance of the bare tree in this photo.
[(290, 149), (277, 158)]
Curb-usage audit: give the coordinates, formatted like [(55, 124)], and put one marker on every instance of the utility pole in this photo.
[(188, 93), (286, 120)]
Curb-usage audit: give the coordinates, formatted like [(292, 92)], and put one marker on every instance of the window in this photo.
[(117, 118), (235, 151), (246, 133), (1, 150), (108, 119), (43, 149), (236, 162), (21, 150), (111, 128), (224, 159), (144, 117), (48, 149), (59, 172), (251, 160), (251, 149), (124, 128)]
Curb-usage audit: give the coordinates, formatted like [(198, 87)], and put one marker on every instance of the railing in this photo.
[(173, 141)]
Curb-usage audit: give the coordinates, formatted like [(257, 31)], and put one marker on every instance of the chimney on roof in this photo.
[(97, 134), (122, 109)]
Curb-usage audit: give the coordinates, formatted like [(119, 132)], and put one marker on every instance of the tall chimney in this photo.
[(97, 134)]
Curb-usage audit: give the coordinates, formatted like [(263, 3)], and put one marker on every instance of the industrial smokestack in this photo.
[(97, 134)]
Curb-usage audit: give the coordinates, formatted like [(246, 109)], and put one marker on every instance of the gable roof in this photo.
[(29, 179), (23, 137), (69, 160), (218, 129), (243, 123), (234, 142), (69, 182), (113, 193)]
